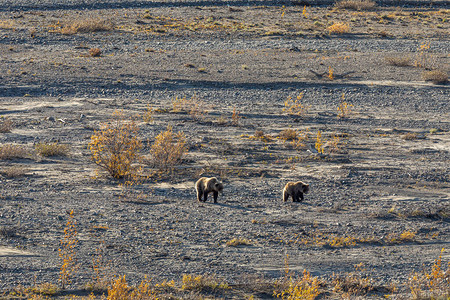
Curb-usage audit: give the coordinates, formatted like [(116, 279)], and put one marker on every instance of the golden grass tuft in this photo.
[(51, 149), (12, 151), (87, 26), (398, 61), (338, 28), (435, 76), (238, 242)]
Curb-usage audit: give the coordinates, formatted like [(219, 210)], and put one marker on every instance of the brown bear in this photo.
[(205, 185), (295, 190)]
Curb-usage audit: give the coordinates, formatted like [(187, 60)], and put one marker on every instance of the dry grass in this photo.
[(399, 61), (7, 24), (13, 172), (6, 125), (12, 151), (202, 283), (288, 134), (356, 4), (51, 149), (87, 26), (352, 284), (338, 28), (410, 136), (435, 76)]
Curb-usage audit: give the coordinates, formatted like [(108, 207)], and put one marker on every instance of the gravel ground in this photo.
[(388, 176)]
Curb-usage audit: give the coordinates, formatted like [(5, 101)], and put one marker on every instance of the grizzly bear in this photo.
[(295, 190), (205, 185)]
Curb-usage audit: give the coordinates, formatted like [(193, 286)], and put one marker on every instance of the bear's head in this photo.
[(305, 188), (218, 186)]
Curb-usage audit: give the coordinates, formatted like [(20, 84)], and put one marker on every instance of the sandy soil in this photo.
[(387, 174)]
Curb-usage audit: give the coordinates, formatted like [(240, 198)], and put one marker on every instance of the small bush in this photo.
[(116, 147), (5, 125), (433, 284), (168, 149), (238, 242), (435, 76), (86, 26), (356, 4), (398, 61), (120, 290), (95, 52), (305, 287), (344, 109), (295, 107), (51, 149), (338, 28), (235, 117), (288, 134), (11, 151)]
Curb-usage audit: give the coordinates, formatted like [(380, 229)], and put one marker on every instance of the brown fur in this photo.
[(205, 185), (295, 190)]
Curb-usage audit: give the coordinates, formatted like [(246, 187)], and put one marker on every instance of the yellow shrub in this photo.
[(67, 251), (115, 147), (295, 107), (306, 288), (168, 149), (338, 28)]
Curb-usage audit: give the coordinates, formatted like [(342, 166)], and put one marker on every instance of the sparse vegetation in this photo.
[(51, 149), (344, 109), (116, 147)]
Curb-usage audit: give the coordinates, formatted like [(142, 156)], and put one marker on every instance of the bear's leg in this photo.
[(285, 196), (216, 194), (205, 196), (301, 197), (199, 195)]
